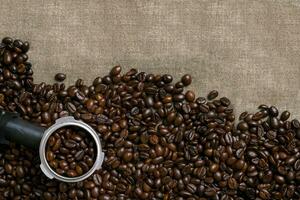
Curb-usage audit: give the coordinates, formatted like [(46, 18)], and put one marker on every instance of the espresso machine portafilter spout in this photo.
[(15, 129)]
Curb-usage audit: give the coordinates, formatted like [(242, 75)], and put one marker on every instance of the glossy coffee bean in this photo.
[(60, 77), (186, 79)]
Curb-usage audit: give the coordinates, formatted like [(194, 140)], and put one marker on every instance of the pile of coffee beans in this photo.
[(160, 141), (70, 151)]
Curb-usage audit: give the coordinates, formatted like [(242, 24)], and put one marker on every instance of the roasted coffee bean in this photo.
[(243, 126), (20, 171), (285, 115), (232, 183), (60, 77), (7, 58), (214, 168), (273, 111), (190, 96), (115, 70), (186, 79), (7, 40), (225, 101), (71, 107), (212, 95), (296, 123)]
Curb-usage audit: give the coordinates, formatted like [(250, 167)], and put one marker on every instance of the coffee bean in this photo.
[(115, 70), (297, 165), (186, 79), (127, 156), (95, 192), (60, 77), (296, 123), (212, 95), (8, 168), (7, 40), (190, 96), (25, 47), (71, 107), (79, 155), (20, 171), (232, 183), (154, 139), (7, 58), (214, 168), (279, 179), (274, 122), (47, 196), (243, 126), (273, 111), (210, 192), (225, 101), (285, 115)]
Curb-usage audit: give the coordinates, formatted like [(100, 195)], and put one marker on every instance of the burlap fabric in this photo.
[(248, 50)]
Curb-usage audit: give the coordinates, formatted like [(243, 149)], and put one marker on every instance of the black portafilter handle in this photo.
[(15, 129)]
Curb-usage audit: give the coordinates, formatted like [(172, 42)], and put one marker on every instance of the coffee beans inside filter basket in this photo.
[(70, 151), (160, 141)]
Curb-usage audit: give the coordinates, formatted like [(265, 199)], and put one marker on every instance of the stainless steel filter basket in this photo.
[(62, 122)]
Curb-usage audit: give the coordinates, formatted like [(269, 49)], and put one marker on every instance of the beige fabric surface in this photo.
[(248, 50)]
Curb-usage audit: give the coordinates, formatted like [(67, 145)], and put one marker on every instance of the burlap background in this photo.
[(248, 50)]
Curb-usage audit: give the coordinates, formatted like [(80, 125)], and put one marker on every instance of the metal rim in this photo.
[(63, 122)]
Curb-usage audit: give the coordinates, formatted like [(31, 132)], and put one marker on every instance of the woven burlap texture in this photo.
[(247, 50)]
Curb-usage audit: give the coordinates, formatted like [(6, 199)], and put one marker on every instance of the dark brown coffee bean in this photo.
[(127, 156), (285, 115), (47, 196), (212, 95), (264, 194), (7, 58), (79, 155), (72, 173), (25, 47), (190, 96), (50, 156), (60, 77), (273, 111), (191, 188), (8, 168), (70, 144), (279, 179), (274, 122), (115, 70), (71, 107), (214, 168), (243, 126), (7, 40), (225, 101), (153, 139), (297, 165), (295, 123), (232, 183), (186, 79), (95, 192), (20, 171), (239, 164), (210, 192)]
